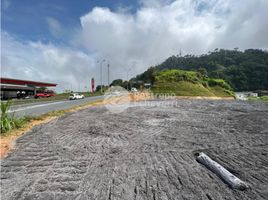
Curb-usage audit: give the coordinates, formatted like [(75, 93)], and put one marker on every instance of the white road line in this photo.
[(35, 106)]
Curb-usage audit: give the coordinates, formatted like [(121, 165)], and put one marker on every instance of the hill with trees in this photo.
[(189, 83), (243, 70)]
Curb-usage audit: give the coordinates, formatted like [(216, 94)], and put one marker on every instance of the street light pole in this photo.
[(128, 71), (108, 74), (101, 72)]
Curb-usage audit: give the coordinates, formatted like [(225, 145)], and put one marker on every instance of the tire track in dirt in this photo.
[(142, 153)]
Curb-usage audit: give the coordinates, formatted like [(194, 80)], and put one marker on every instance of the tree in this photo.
[(203, 71), (98, 88), (243, 70), (117, 82), (42, 89)]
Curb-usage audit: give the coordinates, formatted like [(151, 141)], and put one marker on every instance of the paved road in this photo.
[(145, 152), (35, 109)]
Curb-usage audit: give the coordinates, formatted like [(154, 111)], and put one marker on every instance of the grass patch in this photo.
[(183, 88), (221, 92), (8, 137), (9, 121), (189, 83), (262, 98)]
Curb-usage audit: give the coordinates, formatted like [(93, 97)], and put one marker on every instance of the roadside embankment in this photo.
[(7, 139)]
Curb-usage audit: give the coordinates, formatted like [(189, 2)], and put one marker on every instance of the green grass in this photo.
[(183, 88), (189, 83), (9, 121), (178, 75), (221, 92), (263, 98)]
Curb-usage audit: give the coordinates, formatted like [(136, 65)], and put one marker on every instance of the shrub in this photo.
[(264, 98), (8, 120), (219, 82)]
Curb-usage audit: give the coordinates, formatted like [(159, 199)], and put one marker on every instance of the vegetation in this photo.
[(8, 120), (190, 83), (121, 83), (263, 98), (242, 70), (41, 89), (98, 89)]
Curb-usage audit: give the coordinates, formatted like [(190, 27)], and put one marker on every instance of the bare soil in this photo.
[(145, 152), (7, 141)]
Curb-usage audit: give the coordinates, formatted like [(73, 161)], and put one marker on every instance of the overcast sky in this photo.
[(62, 41)]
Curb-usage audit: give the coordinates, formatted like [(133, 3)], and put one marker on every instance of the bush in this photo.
[(264, 98), (177, 76), (8, 120), (219, 82)]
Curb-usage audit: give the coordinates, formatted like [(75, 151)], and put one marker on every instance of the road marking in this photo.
[(35, 106), (48, 104)]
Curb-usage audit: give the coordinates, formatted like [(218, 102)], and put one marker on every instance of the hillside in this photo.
[(189, 83), (243, 70)]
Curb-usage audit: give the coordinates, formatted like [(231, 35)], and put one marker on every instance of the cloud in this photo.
[(157, 30), (162, 28), (55, 27), (69, 68)]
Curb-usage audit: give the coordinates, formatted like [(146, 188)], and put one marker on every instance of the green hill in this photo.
[(190, 83), (243, 70)]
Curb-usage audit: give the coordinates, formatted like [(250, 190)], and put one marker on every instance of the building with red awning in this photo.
[(11, 88)]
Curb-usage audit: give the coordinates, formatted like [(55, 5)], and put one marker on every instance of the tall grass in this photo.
[(8, 120)]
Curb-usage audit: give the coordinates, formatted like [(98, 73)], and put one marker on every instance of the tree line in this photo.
[(244, 70)]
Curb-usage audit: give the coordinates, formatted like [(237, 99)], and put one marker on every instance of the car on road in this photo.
[(45, 94), (75, 96), (134, 89)]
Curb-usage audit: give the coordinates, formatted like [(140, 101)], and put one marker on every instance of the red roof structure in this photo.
[(25, 82)]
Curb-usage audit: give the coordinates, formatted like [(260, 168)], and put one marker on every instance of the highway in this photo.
[(36, 109)]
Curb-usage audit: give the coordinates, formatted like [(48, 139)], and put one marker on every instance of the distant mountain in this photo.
[(243, 70)]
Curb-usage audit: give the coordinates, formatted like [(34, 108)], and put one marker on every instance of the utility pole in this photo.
[(128, 70), (101, 73), (108, 74), (128, 73)]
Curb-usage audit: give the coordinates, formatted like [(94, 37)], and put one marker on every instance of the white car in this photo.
[(134, 89), (75, 96)]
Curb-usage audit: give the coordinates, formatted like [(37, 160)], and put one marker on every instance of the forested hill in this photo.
[(243, 70)]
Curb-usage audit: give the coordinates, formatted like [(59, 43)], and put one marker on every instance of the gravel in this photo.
[(145, 152)]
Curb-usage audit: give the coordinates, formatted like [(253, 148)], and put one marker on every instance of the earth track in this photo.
[(145, 152)]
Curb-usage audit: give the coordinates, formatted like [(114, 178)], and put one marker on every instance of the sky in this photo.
[(65, 41)]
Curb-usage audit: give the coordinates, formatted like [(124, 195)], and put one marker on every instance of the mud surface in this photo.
[(142, 153)]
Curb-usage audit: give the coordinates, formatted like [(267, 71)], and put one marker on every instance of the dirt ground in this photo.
[(145, 152)]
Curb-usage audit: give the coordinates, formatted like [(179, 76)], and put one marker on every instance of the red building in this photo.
[(15, 88)]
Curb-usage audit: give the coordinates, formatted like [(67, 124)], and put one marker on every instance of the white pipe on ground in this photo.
[(220, 171)]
